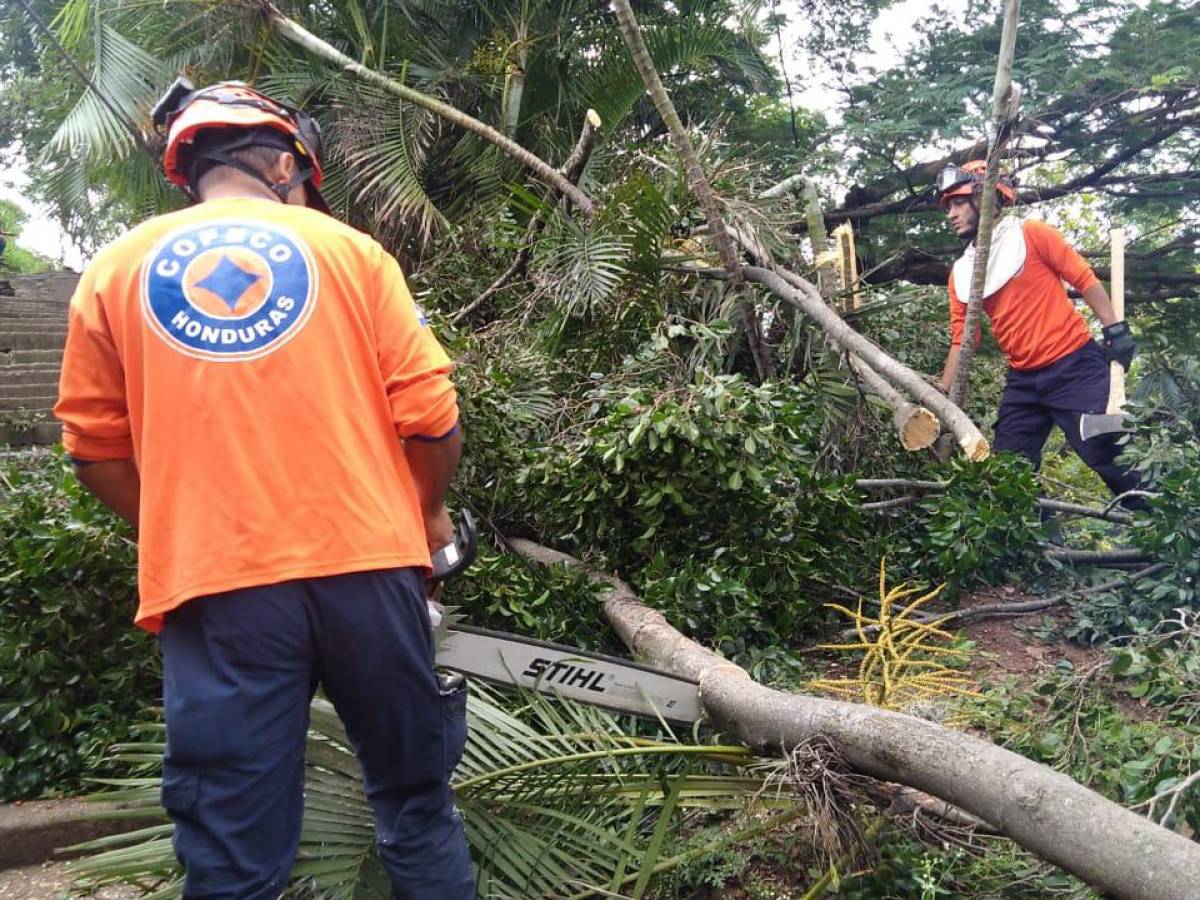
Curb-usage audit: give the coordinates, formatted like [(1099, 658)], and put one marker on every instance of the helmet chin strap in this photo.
[(281, 190)]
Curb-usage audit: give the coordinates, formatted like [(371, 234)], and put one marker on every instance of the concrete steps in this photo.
[(31, 327), (33, 330), (41, 402), (42, 387), (32, 340), (29, 358)]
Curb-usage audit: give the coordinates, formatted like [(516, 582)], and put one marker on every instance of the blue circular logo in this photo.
[(229, 290)]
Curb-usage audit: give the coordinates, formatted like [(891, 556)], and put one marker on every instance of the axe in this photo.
[(1112, 420)]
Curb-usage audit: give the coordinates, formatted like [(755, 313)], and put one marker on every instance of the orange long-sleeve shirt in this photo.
[(1033, 319), (261, 363)]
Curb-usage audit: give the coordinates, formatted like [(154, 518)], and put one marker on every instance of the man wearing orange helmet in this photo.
[(249, 382), (1057, 371)]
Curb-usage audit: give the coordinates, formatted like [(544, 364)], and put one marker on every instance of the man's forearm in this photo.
[(1097, 298), (116, 483), (433, 464), (949, 369)]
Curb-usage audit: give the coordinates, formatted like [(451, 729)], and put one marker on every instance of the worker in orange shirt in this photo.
[(250, 384), (1056, 371)]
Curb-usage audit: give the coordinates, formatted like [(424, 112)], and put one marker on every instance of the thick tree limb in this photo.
[(916, 426), (295, 33), (696, 178), (1056, 506), (1100, 557), (571, 170), (1044, 811), (798, 292), (874, 484)]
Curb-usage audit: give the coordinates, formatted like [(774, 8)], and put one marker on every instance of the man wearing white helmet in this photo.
[(1057, 372)]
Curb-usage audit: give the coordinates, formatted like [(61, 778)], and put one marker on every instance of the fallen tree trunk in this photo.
[(916, 426), (798, 292), (1106, 845)]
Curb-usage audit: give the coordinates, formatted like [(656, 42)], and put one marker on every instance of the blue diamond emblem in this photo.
[(228, 281)]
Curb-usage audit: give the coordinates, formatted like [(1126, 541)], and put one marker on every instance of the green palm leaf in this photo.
[(583, 269), (130, 80), (611, 85), (552, 796)]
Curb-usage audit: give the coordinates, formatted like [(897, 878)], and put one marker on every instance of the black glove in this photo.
[(1118, 343)]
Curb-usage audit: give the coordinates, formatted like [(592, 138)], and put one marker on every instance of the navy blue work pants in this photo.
[(239, 671), (1058, 394)]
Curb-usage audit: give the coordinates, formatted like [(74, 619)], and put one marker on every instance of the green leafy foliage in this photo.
[(74, 673), (1069, 720), (985, 525), (704, 496), (506, 592), (17, 260)]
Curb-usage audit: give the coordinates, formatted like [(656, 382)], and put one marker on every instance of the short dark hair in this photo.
[(260, 155)]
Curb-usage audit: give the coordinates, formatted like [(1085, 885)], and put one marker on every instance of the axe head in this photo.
[(1095, 424)]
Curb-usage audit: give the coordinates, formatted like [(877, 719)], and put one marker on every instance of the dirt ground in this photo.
[(1003, 648), (52, 881)]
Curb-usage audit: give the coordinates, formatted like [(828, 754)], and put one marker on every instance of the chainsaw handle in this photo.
[(456, 556)]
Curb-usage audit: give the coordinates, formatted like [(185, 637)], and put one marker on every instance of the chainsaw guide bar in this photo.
[(596, 679)]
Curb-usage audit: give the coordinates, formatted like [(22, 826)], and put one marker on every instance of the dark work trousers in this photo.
[(239, 670), (1059, 394)]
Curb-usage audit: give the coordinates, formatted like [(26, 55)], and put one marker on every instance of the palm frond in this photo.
[(611, 85), (384, 145), (582, 269), (554, 796), (130, 80)]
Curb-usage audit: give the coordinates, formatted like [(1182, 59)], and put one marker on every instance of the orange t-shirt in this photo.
[(260, 363), (1033, 319)]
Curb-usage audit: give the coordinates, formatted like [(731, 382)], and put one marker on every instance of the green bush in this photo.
[(552, 603), (985, 525), (75, 674), (703, 496)]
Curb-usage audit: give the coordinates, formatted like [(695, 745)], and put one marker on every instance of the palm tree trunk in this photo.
[(695, 176), (1119, 852), (987, 203), (294, 32)]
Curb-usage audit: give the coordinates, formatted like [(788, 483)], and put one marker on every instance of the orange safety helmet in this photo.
[(211, 123), (967, 180)]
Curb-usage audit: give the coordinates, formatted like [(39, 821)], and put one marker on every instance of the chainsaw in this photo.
[(616, 684)]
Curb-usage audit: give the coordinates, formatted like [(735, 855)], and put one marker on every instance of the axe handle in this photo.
[(1116, 373)]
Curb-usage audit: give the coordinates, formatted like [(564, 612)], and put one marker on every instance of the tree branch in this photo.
[(697, 180), (295, 33), (571, 170)]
